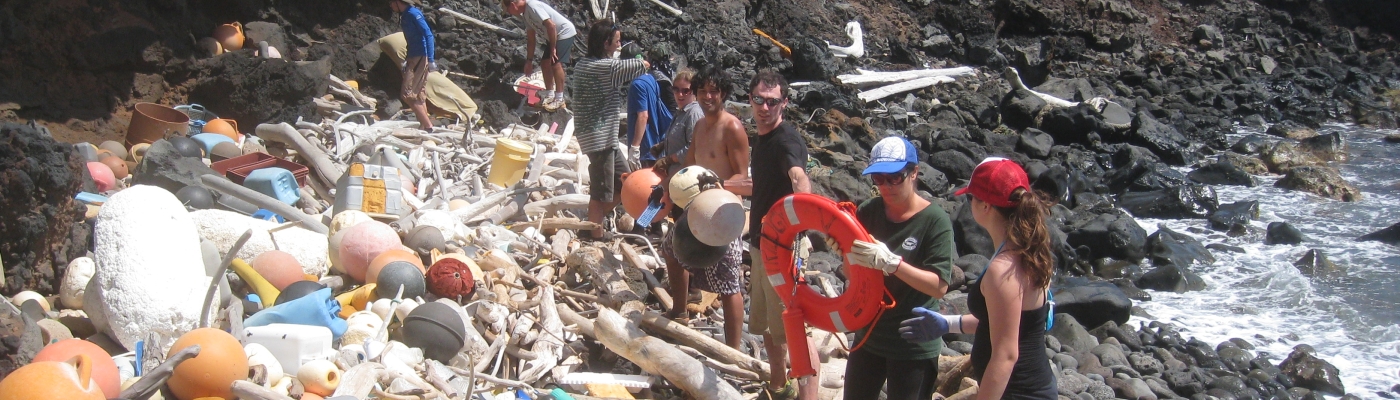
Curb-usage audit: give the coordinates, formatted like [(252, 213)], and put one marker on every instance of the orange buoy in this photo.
[(230, 36), (636, 190), (223, 126), (220, 362), (71, 379), (389, 256), (104, 369)]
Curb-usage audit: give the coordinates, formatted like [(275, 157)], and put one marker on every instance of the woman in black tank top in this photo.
[(1008, 303)]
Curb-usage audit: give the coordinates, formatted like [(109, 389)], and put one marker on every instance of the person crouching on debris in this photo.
[(541, 19), (599, 80), (419, 61), (916, 262)]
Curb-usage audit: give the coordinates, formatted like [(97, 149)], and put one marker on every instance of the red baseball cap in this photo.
[(994, 180)]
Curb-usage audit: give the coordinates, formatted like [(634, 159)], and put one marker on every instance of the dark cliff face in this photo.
[(41, 226)]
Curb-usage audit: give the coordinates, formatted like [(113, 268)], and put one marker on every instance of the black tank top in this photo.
[(1031, 377)]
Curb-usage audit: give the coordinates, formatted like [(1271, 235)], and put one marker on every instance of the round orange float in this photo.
[(71, 379), (104, 370), (636, 190), (222, 126), (220, 362), (389, 256), (278, 268)]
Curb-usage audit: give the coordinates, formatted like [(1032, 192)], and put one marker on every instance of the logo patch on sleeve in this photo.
[(910, 244)]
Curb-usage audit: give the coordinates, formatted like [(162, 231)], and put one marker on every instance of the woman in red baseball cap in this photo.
[(1009, 302)]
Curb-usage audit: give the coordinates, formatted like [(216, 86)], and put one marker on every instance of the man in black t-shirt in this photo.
[(779, 168)]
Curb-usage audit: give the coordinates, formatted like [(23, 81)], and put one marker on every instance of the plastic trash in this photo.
[(317, 309), (293, 345)]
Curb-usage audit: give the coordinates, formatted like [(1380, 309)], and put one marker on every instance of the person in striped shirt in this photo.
[(598, 86)]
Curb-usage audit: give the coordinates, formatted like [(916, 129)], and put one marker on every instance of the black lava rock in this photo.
[(1234, 217), (1222, 173), (1181, 202), (1390, 235), (1092, 303), (1168, 247), (1252, 144), (1283, 233), (1312, 373), (41, 227)]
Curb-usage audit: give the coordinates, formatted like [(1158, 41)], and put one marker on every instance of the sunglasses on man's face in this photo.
[(889, 179), (763, 101), (680, 91)]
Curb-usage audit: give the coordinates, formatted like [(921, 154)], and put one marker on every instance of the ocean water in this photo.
[(1352, 322)]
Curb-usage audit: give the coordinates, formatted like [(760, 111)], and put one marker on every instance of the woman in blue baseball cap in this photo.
[(914, 249)]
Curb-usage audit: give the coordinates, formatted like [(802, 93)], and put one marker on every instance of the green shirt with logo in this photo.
[(924, 241)]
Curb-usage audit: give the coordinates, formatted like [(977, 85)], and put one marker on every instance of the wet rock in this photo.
[(1111, 233), (1323, 181), (1164, 140), (41, 227), (1035, 143), (1392, 138), (1146, 177), (1230, 384), (1234, 217), (1235, 358), (164, 167), (1170, 247), (1181, 202), (1171, 278), (1315, 264), (1092, 303), (1222, 173), (1249, 164), (148, 279), (1072, 334), (1251, 144), (1283, 233), (1330, 146), (1390, 235), (1312, 373), (223, 228), (1291, 130), (1283, 156), (1080, 124)]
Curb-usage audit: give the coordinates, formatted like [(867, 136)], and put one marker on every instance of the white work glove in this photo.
[(634, 154), (432, 66), (874, 256)]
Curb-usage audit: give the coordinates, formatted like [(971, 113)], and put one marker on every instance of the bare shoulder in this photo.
[(1002, 271)]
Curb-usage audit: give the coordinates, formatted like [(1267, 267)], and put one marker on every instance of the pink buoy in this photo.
[(362, 243), (279, 268), (102, 175)]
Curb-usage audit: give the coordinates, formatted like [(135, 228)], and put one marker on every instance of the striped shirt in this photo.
[(597, 86)]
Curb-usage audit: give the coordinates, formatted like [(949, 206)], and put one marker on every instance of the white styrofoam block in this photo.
[(149, 274), (224, 227)]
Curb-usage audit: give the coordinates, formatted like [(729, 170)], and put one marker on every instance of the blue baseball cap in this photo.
[(891, 155)]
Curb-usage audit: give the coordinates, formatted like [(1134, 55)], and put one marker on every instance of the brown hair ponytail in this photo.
[(1026, 231)]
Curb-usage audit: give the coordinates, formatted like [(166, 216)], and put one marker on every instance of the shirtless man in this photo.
[(719, 144)]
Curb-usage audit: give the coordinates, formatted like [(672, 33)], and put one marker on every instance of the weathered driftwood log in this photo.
[(555, 224), (251, 391), (658, 357), (468, 213), (499, 30), (657, 323), (151, 382), (554, 204), (549, 346), (226, 186), (888, 90), (864, 77), (657, 289), (1014, 78)]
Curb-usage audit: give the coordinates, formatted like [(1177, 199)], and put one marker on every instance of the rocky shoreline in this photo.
[(1177, 76)]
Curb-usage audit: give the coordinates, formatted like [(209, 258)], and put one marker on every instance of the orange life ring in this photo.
[(860, 304)]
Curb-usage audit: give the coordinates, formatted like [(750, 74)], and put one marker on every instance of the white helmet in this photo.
[(689, 182), (716, 217)]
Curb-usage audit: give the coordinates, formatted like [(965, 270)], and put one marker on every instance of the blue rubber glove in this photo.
[(927, 326)]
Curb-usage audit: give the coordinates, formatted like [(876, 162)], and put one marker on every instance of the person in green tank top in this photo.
[(914, 249)]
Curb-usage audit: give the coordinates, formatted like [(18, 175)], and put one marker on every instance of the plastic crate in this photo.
[(236, 169)]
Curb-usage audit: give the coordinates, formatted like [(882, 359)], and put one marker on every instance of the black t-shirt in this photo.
[(773, 155)]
